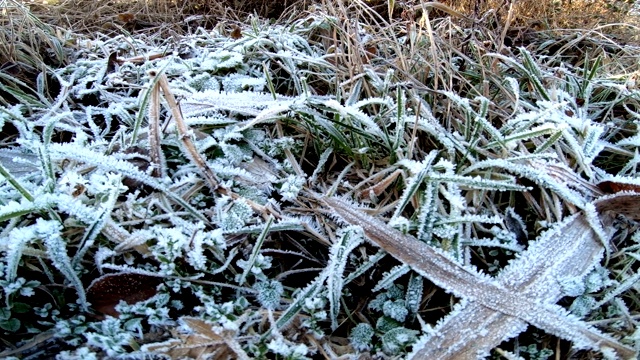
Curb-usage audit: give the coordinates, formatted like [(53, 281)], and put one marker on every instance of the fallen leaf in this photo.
[(206, 342), (512, 301), (611, 187), (126, 17), (105, 292), (236, 32), (626, 204)]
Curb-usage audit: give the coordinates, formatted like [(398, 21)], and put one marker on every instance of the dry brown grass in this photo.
[(169, 19), (104, 15), (39, 35), (553, 14)]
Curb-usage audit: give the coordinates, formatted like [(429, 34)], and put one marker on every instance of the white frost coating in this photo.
[(389, 277), (291, 186), (354, 113), (538, 172), (516, 302), (350, 238), (245, 103)]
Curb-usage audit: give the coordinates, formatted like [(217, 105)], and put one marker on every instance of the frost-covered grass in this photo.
[(324, 188)]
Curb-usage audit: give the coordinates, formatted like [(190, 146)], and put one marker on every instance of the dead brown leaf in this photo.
[(503, 307)]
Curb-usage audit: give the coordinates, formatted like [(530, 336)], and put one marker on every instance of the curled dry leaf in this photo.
[(236, 32), (624, 203), (612, 187), (205, 342), (126, 17)]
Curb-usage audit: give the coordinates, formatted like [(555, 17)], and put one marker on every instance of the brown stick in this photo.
[(185, 135)]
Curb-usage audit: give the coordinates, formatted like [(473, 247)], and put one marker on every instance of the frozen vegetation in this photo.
[(261, 196)]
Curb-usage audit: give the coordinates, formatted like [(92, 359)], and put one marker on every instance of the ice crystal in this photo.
[(350, 238), (395, 309), (71, 330), (203, 82), (573, 286), (315, 308), (281, 347), (239, 83), (445, 272), (413, 297), (361, 336), (397, 339), (261, 263), (81, 353), (70, 181), (221, 60), (291, 186), (269, 293), (385, 323), (19, 285), (394, 292), (234, 214), (401, 223), (56, 246), (201, 240), (597, 279), (109, 335), (170, 243), (390, 277), (244, 103)]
